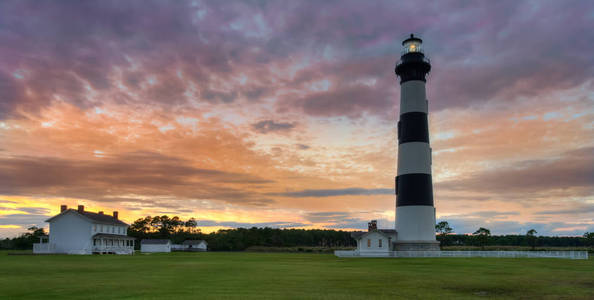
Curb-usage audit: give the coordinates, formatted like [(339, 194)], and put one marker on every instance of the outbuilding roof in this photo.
[(194, 242), (154, 242), (94, 217)]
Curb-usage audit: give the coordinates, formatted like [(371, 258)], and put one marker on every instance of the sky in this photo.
[(283, 113)]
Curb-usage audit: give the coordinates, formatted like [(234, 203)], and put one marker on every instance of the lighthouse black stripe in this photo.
[(413, 128), (414, 189)]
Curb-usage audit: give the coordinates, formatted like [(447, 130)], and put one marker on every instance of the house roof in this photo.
[(154, 242), (194, 242), (112, 236), (93, 217), (385, 232)]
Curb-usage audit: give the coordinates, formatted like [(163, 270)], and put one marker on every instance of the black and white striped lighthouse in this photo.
[(415, 213)]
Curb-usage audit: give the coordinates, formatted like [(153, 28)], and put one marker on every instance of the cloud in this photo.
[(267, 126), (141, 173), (347, 220), (350, 101), (213, 223), (486, 214), (24, 219), (324, 217), (336, 192), (198, 48), (29, 210), (587, 209), (573, 171)]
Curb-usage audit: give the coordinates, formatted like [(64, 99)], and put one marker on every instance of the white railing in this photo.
[(43, 248), (114, 249), (499, 254)]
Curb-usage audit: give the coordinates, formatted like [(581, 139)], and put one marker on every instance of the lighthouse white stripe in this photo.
[(415, 223), (413, 97), (414, 157)]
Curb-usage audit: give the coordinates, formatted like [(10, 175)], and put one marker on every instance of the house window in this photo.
[(380, 243), (368, 243), (95, 228), (112, 229), (101, 228)]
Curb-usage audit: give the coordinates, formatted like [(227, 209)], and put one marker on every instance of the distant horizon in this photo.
[(284, 113), (206, 226)]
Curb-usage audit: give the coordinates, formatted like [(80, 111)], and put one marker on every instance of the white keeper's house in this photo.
[(76, 231)]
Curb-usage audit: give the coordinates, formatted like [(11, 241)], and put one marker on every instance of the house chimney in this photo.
[(63, 208), (100, 212), (372, 225), (81, 208), (115, 215)]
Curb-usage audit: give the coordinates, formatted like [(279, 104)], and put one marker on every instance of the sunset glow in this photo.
[(283, 114)]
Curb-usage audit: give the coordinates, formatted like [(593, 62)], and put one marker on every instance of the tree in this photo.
[(26, 240), (36, 232), (443, 228), (482, 236), (191, 224), (589, 236), (531, 237), (142, 225)]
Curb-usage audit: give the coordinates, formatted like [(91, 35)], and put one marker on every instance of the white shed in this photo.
[(195, 245), (152, 246)]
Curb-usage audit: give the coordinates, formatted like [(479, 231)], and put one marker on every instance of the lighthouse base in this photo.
[(416, 246)]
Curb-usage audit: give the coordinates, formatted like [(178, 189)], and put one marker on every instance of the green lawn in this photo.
[(289, 275)]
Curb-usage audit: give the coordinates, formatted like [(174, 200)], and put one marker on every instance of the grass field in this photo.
[(289, 275)]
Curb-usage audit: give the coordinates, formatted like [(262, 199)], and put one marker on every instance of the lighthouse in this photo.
[(415, 212)]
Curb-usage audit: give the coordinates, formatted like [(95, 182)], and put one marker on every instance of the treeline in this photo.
[(178, 230), (241, 238), (482, 237), (514, 240), (24, 241)]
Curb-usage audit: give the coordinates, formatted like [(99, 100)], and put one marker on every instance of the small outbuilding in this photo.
[(154, 246), (195, 245), (375, 241)]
